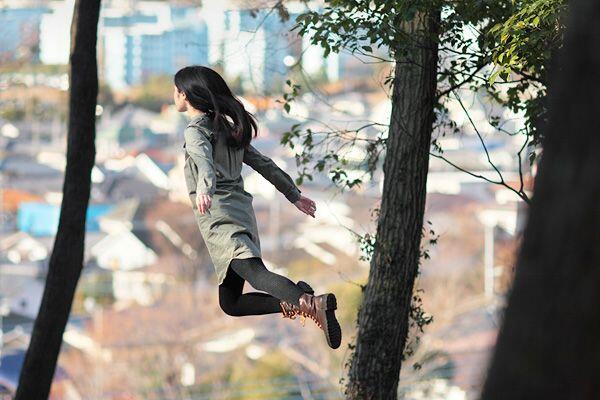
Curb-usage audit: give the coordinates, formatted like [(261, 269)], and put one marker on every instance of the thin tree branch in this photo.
[(456, 86), (487, 154), (519, 193)]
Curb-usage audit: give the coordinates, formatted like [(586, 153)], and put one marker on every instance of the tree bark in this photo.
[(66, 260), (384, 313), (548, 346)]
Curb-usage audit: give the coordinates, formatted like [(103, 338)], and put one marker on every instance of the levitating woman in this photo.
[(215, 148)]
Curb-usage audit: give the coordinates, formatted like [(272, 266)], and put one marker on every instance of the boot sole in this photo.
[(333, 331)]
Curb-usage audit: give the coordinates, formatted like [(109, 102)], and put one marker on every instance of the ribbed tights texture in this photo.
[(253, 270)]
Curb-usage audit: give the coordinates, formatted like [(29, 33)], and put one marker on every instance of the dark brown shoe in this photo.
[(321, 310)]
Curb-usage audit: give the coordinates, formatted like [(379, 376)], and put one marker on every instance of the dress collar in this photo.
[(202, 118)]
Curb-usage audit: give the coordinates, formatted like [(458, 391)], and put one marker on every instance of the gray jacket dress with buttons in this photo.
[(211, 167)]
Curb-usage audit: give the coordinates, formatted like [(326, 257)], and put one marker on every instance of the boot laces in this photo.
[(311, 316), (290, 311)]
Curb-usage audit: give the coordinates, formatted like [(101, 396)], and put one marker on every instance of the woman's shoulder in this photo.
[(197, 128), (200, 123), (203, 121)]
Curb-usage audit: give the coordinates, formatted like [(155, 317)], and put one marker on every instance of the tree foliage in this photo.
[(499, 49), (524, 45)]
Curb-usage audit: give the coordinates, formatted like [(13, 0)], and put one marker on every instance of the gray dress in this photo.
[(211, 167)]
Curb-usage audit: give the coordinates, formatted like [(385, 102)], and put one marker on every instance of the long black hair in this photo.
[(206, 91)]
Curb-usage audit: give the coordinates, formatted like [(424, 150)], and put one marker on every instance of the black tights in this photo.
[(253, 270)]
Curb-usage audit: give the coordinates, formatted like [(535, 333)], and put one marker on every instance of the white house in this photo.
[(123, 251), (21, 246)]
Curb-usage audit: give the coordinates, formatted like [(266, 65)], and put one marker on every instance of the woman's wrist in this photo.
[(293, 195)]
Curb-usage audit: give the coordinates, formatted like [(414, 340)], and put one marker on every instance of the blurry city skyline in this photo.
[(140, 39)]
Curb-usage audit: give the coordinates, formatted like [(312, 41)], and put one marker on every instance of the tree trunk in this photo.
[(66, 260), (384, 312), (548, 346)]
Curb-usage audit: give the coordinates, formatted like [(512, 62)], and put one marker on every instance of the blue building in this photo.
[(41, 219), (20, 33), (154, 39)]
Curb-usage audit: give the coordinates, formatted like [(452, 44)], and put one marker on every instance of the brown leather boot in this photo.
[(321, 310), (289, 310)]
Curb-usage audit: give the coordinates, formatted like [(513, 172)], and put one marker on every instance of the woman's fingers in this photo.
[(203, 202), (311, 207), (207, 203), (308, 210), (308, 206)]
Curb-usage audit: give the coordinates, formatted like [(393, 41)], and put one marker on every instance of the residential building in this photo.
[(152, 38)]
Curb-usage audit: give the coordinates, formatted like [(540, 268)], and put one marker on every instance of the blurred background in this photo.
[(146, 322)]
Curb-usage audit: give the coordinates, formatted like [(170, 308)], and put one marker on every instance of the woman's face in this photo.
[(179, 100)]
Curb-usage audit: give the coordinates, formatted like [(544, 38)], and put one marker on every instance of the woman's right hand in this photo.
[(203, 202), (306, 205)]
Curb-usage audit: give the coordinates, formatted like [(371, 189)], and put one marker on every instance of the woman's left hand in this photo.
[(306, 205), (203, 202)]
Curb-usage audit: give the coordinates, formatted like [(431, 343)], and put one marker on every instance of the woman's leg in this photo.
[(254, 271), (234, 303)]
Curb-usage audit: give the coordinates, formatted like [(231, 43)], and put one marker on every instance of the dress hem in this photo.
[(221, 278)]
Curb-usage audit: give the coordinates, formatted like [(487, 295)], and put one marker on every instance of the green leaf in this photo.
[(494, 76)]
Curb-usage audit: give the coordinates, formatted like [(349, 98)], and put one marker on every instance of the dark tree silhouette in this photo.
[(549, 342), (66, 260)]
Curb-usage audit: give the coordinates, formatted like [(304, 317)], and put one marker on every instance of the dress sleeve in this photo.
[(199, 147), (271, 172)]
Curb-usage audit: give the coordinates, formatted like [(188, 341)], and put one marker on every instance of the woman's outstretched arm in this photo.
[(271, 172)]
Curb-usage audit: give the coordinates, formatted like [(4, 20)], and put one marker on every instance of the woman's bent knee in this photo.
[(228, 308)]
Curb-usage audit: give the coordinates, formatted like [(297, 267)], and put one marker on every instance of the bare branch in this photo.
[(519, 192), (487, 153), (459, 84)]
